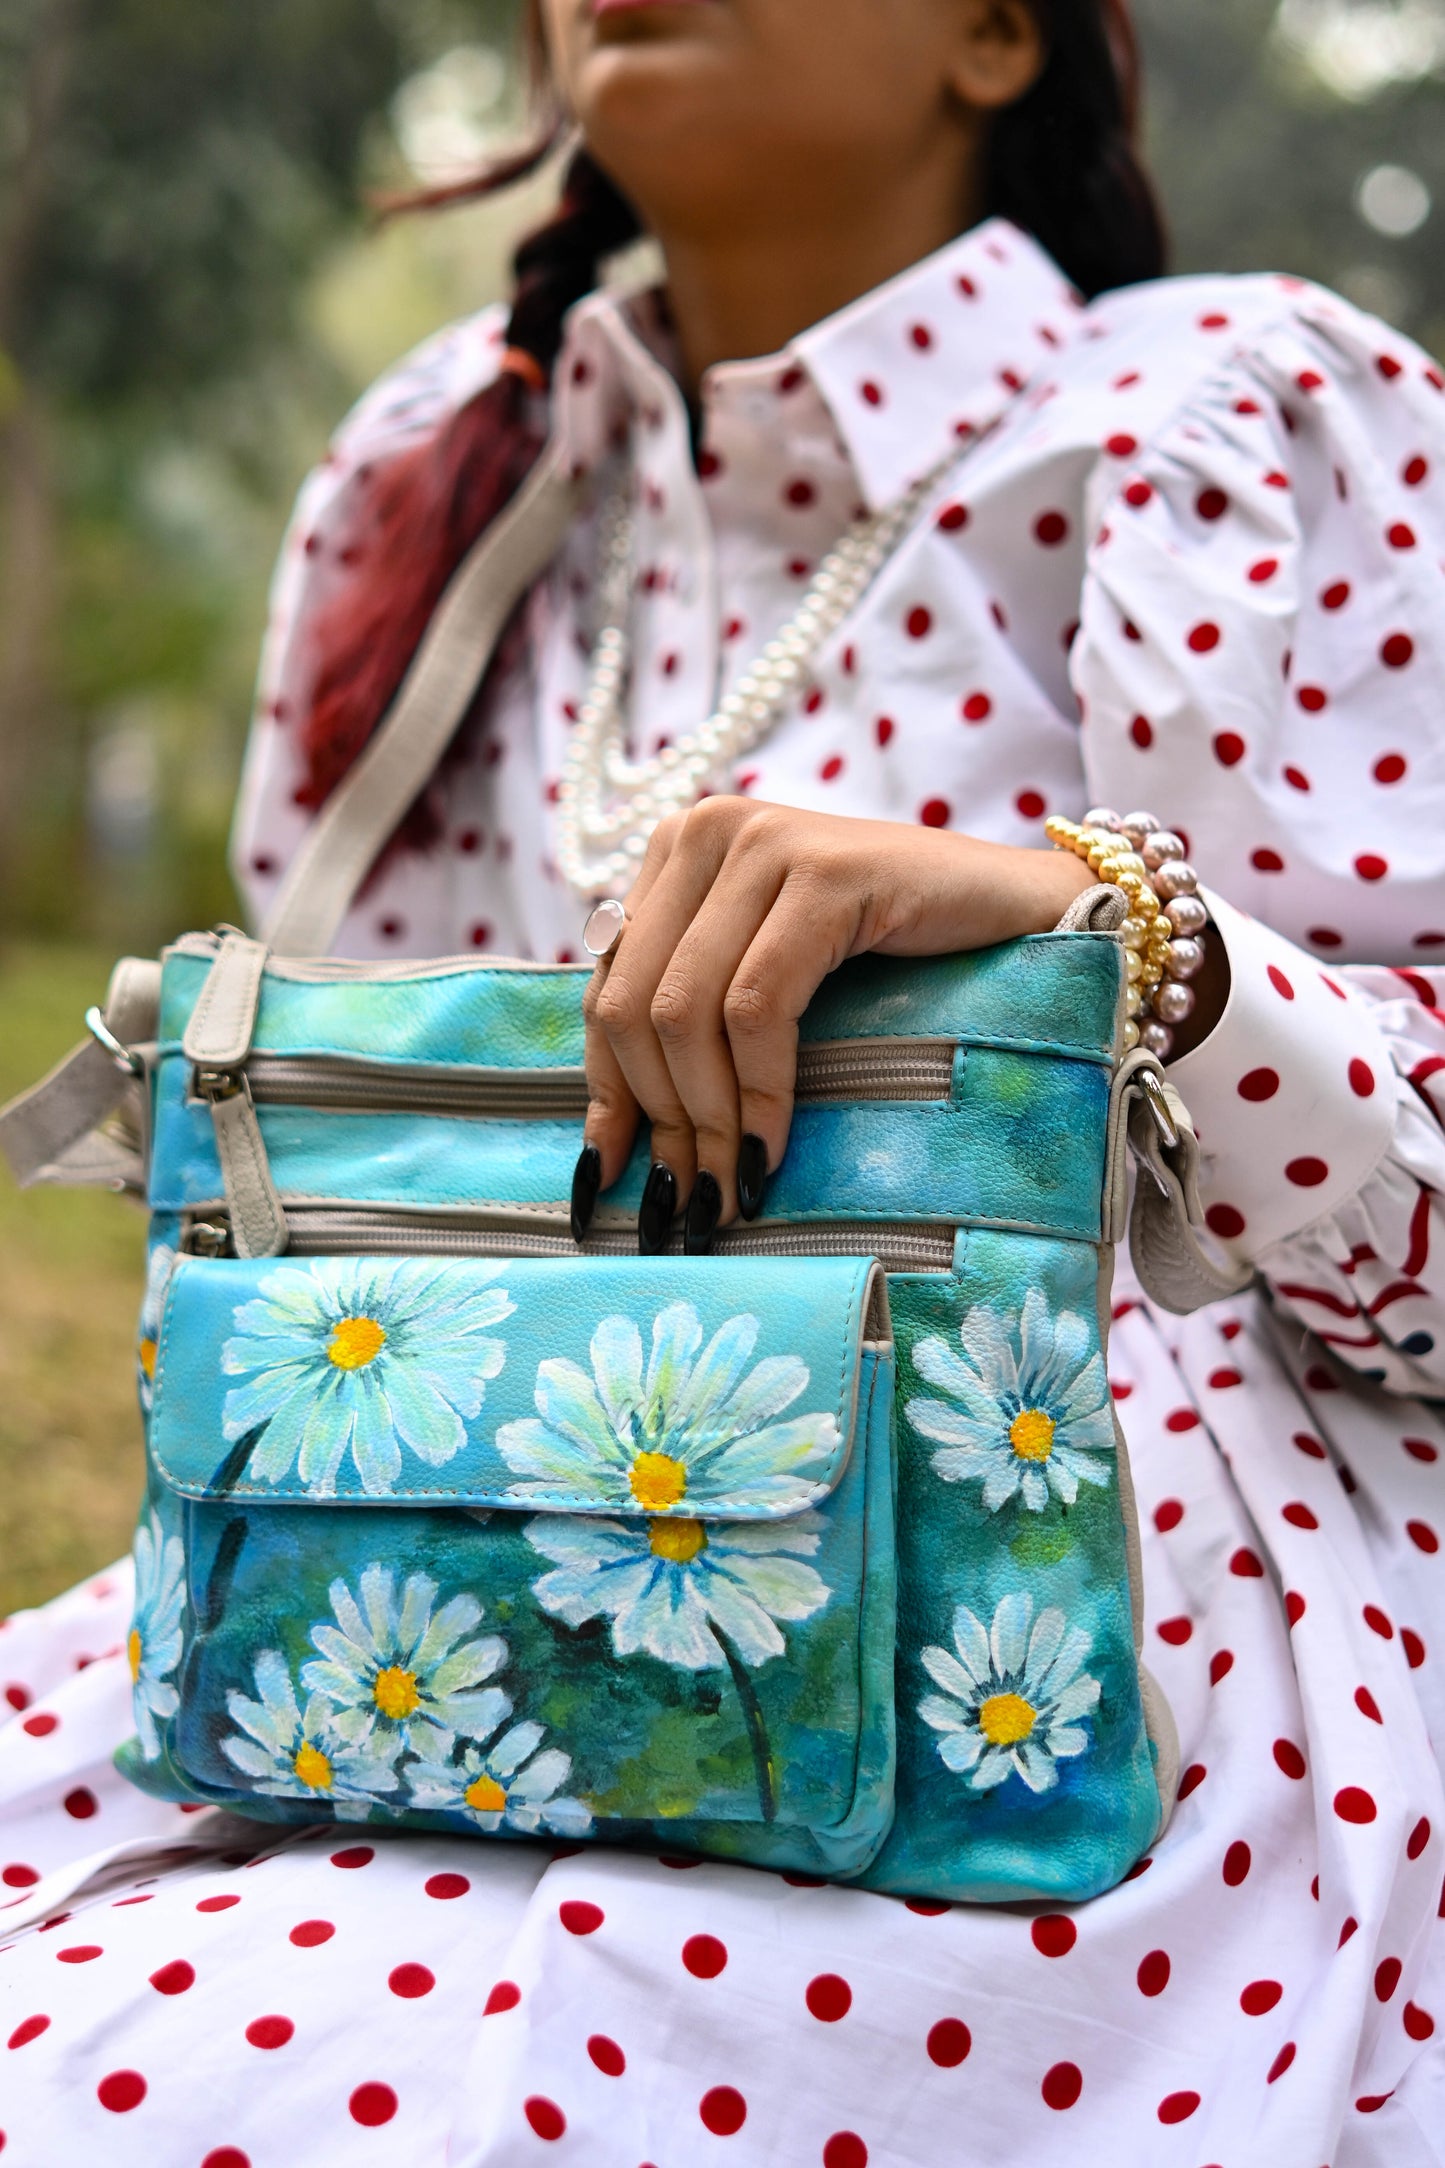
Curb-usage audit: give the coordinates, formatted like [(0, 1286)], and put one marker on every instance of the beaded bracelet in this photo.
[(1163, 933)]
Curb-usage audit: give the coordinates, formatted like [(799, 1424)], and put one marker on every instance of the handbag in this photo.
[(818, 1553)]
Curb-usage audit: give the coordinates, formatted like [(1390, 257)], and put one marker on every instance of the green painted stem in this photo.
[(757, 1729)]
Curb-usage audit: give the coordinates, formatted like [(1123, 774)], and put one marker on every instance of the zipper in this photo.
[(361, 1231), (862, 1070)]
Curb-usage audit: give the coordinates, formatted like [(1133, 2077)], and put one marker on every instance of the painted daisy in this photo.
[(505, 1783), (1011, 1697), (1028, 1420), (155, 1642), (400, 1676), (289, 1753), (682, 1590), (148, 1333), (361, 1356), (698, 1427)]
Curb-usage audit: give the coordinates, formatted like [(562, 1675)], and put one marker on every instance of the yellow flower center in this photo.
[(147, 1353), (1005, 1719), (485, 1796), (657, 1481), (678, 1541), (133, 1651), (1031, 1434), (313, 1768), (395, 1691), (355, 1342)]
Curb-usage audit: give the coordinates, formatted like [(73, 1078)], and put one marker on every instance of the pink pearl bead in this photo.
[(1175, 878)]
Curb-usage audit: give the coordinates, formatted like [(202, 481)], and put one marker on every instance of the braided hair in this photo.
[(1061, 163)]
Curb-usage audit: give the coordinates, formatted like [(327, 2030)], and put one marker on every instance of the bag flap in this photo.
[(701, 1389)]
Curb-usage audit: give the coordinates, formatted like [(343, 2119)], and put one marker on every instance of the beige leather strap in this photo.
[(223, 1021), (1149, 1122), (343, 842)]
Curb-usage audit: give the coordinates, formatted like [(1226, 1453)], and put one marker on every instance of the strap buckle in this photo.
[(101, 1032), (1151, 1085), (214, 1085)]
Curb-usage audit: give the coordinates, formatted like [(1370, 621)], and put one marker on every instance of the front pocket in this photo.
[(524, 1547)]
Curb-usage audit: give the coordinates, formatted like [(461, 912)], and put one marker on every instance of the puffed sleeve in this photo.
[(1261, 662), (407, 404)]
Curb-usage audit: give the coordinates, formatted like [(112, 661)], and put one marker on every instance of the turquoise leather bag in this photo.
[(817, 1553)]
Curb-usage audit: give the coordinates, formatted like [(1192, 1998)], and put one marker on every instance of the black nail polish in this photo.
[(659, 1203), (752, 1173), (704, 1210), (586, 1181)]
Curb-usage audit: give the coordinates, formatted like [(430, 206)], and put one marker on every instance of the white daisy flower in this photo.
[(505, 1783), (697, 1429), (291, 1754), (362, 1356), (148, 1332), (396, 1675), (675, 1586), (1026, 1420), (1012, 1697), (155, 1642)]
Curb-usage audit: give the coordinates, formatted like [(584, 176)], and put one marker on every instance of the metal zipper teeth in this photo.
[(899, 1246), (878, 1072)]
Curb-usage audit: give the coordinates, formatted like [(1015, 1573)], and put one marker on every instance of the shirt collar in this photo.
[(932, 356)]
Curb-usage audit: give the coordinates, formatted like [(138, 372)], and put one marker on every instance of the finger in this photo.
[(688, 1007), (612, 1110), (809, 931)]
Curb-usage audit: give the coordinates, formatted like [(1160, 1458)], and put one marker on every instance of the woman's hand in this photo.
[(738, 914)]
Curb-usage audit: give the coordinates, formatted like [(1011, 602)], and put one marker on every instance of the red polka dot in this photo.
[(1362, 1079), (927, 1908), (226, 2156), (723, 2111), (1307, 1173), (871, 393), (1354, 1805), (447, 1887), (1400, 536), (1178, 2107), (1388, 366), (1260, 1997), (1246, 1563), (81, 1804), (1264, 570), (1413, 1646), (1281, 2062), (270, 2032), (1418, 2023), (1228, 748), (829, 1998), (607, 2055), (1054, 1934), (1138, 494), (1224, 1220), (1313, 699), (80, 1953), (410, 1981), (1031, 805), (1121, 446), (1367, 1705), (174, 1978), (1371, 867), (1237, 1862), (1141, 730), (217, 1904), (40, 1727), (309, 1934), (121, 2091), (977, 708), (1192, 1778), (1371, 2103), (799, 494), (845, 2149), (1050, 529), (704, 1956), (1176, 1631), (954, 518), (1266, 861), (1280, 983), (883, 729), (1325, 937), (1221, 1663), (1259, 1084), (1168, 1514), (374, 2104), (1420, 1449), (949, 2042), (1154, 1970), (1203, 639), (918, 623), (355, 1855), (1350, 1927), (935, 813), (1181, 1419), (1397, 651), (1336, 596), (1299, 1515), (832, 768), (504, 1996), (579, 1917), (1294, 1606), (1419, 1838), (1387, 1978), (29, 2028), (1062, 2085), (1296, 778)]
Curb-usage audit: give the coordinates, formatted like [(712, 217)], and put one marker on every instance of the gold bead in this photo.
[(1133, 967), (1133, 933), (1131, 862), (1146, 904), (1131, 1035), (1133, 1002)]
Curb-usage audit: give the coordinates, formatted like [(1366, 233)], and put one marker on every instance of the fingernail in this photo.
[(752, 1173), (704, 1210), (659, 1203), (586, 1181)]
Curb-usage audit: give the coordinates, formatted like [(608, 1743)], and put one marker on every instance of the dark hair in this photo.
[(1062, 163)]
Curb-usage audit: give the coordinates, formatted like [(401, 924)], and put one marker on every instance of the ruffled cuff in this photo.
[(1294, 1093)]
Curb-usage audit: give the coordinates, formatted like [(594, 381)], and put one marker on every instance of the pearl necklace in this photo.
[(609, 805)]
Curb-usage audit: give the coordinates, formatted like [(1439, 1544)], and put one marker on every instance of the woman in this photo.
[(1180, 546)]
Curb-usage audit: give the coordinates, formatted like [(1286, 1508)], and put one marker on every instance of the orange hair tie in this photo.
[(516, 361)]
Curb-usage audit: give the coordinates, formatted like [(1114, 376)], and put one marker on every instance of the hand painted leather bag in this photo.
[(818, 1553)]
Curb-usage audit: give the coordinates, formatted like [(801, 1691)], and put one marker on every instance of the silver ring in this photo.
[(606, 923)]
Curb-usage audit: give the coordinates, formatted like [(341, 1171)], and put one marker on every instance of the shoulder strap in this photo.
[(342, 844)]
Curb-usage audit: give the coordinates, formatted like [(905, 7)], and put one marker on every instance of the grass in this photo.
[(71, 1269)]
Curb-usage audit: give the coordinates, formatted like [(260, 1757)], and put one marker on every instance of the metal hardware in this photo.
[(122, 1056), (1158, 1105), (206, 1238), (213, 1085)]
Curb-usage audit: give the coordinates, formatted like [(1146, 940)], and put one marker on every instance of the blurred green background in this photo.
[(191, 293)]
